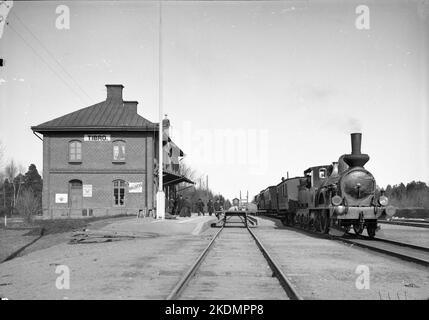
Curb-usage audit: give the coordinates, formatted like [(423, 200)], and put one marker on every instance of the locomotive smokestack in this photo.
[(356, 158), (356, 142)]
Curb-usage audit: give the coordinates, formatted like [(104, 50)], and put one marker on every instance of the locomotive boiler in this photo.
[(341, 195)]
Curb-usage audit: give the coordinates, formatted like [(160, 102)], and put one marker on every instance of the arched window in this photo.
[(119, 193), (119, 150), (75, 151)]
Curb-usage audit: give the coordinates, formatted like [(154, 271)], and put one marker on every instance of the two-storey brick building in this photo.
[(102, 160)]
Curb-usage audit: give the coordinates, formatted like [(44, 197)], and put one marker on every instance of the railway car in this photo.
[(268, 199), (287, 196), (341, 195)]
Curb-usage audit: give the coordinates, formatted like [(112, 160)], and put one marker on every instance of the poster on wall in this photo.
[(87, 190), (135, 187), (61, 198)]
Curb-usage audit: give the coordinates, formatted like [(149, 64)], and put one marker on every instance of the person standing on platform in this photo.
[(200, 207), (210, 207), (187, 207), (171, 205), (181, 207), (217, 208)]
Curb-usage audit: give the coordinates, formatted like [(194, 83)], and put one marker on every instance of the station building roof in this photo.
[(112, 114)]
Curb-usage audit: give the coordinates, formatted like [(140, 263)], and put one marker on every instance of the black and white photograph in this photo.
[(214, 156)]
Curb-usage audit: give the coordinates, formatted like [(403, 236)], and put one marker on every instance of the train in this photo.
[(340, 196)]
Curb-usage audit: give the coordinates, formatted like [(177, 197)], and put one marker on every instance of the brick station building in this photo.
[(103, 160)]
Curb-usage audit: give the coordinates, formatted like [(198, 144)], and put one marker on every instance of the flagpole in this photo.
[(160, 196)]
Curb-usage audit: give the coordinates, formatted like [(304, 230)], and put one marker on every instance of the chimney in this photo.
[(356, 158), (114, 91), (166, 126), (131, 106)]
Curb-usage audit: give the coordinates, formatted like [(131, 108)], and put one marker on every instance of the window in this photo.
[(322, 173), (75, 151), (119, 192), (119, 151)]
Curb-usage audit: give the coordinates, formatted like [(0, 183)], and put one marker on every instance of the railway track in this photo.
[(402, 250), (234, 265), (423, 224)]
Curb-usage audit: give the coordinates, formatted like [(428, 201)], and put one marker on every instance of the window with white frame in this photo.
[(119, 193), (75, 151), (119, 150)]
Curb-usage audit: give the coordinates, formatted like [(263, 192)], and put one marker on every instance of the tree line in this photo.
[(413, 195)]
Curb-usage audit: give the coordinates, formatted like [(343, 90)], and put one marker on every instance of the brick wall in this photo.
[(97, 169)]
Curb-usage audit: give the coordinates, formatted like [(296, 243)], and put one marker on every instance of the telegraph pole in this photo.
[(160, 196)]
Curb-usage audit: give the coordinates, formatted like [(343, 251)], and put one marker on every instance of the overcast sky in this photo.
[(287, 80)]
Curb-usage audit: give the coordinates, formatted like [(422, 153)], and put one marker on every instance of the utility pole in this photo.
[(160, 196)]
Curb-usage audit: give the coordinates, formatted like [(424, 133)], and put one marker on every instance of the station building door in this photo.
[(75, 197)]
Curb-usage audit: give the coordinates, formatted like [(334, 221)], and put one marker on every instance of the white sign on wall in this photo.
[(87, 190), (61, 198), (96, 137), (135, 187)]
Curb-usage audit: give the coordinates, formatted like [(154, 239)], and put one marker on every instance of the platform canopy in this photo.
[(171, 178)]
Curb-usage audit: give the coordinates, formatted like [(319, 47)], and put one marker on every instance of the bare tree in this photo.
[(187, 171), (2, 174), (1, 155), (2, 180), (11, 171)]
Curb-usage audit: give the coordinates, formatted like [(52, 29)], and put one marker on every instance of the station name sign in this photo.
[(96, 137)]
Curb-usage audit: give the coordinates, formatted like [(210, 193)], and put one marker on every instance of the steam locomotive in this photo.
[(339, 196)]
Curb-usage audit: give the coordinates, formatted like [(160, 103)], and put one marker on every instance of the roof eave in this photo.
[(93, 129)]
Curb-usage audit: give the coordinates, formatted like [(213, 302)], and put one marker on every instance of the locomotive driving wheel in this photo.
[(291, 219), (316, 223), (324, 221), (358, 228), (371, 229)]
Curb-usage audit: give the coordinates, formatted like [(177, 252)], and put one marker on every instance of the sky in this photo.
[(254, 90)]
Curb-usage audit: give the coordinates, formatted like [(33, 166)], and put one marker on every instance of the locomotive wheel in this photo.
[(324, 221), (370, 229), (301, 221), (305, 222), (313, 225), (358, 229), (287, 219), (316, 223), (291, 220)]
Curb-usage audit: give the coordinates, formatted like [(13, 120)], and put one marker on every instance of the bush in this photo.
[(28, 204)]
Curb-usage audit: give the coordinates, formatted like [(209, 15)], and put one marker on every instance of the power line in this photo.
[(43, 60), (52, 56)]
